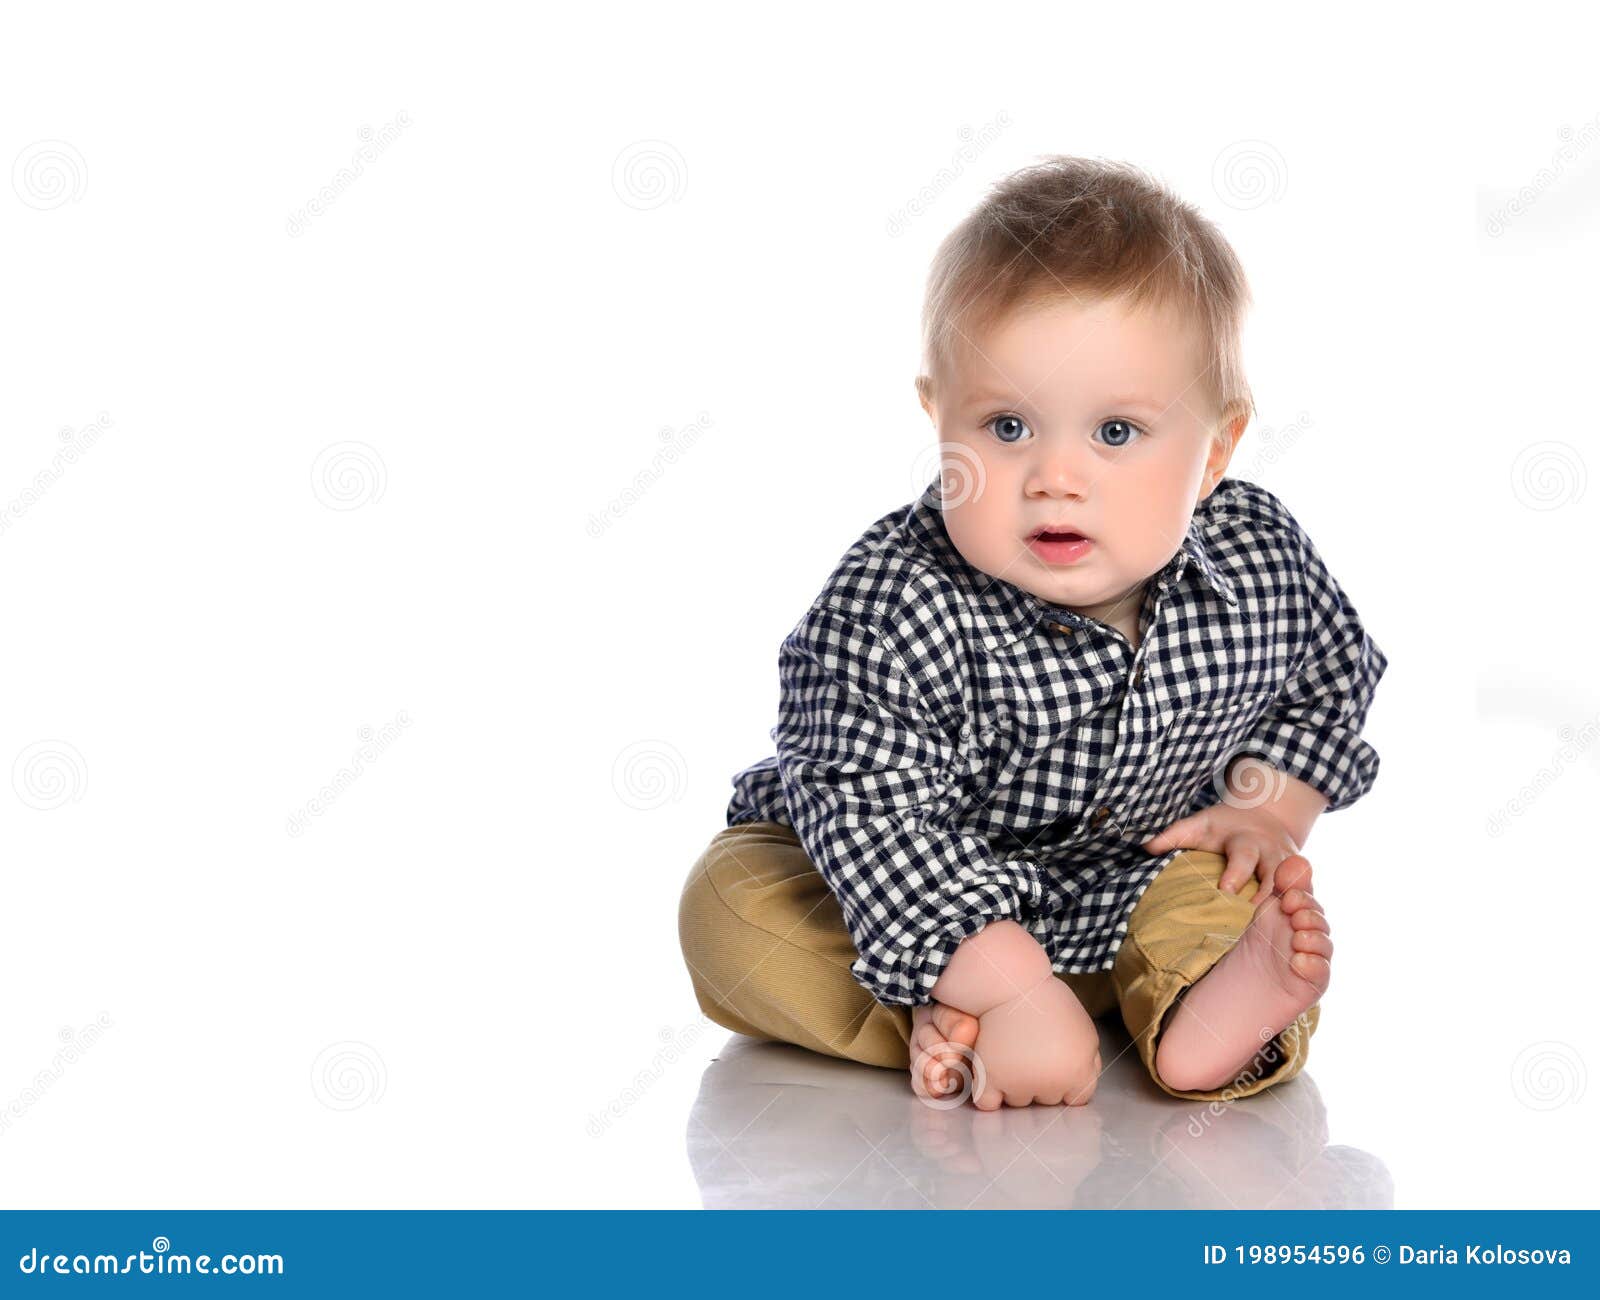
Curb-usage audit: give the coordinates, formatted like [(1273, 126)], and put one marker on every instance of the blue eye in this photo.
[(1122, 434), (1008, 428)]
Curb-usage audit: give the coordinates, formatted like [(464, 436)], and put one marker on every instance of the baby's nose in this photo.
[(1060, 472)]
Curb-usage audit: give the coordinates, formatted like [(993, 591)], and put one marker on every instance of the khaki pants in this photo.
[(769, 956)]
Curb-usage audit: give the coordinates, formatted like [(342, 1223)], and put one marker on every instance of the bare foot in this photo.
[(942, 1058), (1279, 967)]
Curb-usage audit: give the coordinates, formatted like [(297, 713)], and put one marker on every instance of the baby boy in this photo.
[(1052, 737)]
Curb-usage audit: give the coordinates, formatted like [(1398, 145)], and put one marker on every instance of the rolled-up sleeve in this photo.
[(873, 780), (1312, 731)]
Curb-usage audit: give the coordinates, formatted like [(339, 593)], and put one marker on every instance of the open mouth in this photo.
[(1060, 545)]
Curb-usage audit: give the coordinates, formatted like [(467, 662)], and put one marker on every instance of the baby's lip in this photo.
[(1058, 528)]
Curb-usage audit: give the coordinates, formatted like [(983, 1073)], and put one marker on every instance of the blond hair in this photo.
[(1086, 228)]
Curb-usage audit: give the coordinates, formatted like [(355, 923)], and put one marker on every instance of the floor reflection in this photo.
[(778, 1127)]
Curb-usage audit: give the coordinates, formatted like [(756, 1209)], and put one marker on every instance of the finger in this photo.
[(990, 1100), (1241, 865), (1267, 868), (1179, 834)]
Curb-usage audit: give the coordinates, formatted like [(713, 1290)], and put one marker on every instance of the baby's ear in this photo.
[(925, 393)]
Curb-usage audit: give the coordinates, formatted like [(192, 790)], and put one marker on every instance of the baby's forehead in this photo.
[(1073, 344)]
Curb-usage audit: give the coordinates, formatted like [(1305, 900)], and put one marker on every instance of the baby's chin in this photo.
[(1080, 590)]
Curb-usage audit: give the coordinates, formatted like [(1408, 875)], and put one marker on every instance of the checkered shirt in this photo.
[(952, 750)]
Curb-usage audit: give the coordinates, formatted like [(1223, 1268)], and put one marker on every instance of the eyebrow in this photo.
[(988, 397)]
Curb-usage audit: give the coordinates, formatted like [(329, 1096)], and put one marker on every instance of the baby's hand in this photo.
[(1041, 1046), (1252, 839)]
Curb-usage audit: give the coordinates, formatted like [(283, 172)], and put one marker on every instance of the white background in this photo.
[(427, 996)]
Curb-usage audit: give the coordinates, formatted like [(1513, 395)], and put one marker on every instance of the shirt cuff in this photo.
[(901, 968), (1333, 760)]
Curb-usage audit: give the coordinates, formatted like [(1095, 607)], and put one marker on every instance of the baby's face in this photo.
[(1081, 416)]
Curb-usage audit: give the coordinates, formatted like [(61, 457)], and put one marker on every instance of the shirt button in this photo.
[(1061, 627), (1138, 674), (1101, 814)]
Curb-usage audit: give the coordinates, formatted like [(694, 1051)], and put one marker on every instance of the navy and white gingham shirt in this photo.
[(952, 749)]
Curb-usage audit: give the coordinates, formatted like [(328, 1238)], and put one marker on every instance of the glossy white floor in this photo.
[(778, 1127)]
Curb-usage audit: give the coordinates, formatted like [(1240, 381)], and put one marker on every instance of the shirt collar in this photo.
[(1006, 612)]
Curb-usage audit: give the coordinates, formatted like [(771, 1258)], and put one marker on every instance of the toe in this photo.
[(1309, 918), (1294, 872), (1312, 941), (1311, 968), (1295, 900), (956, 1026)]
